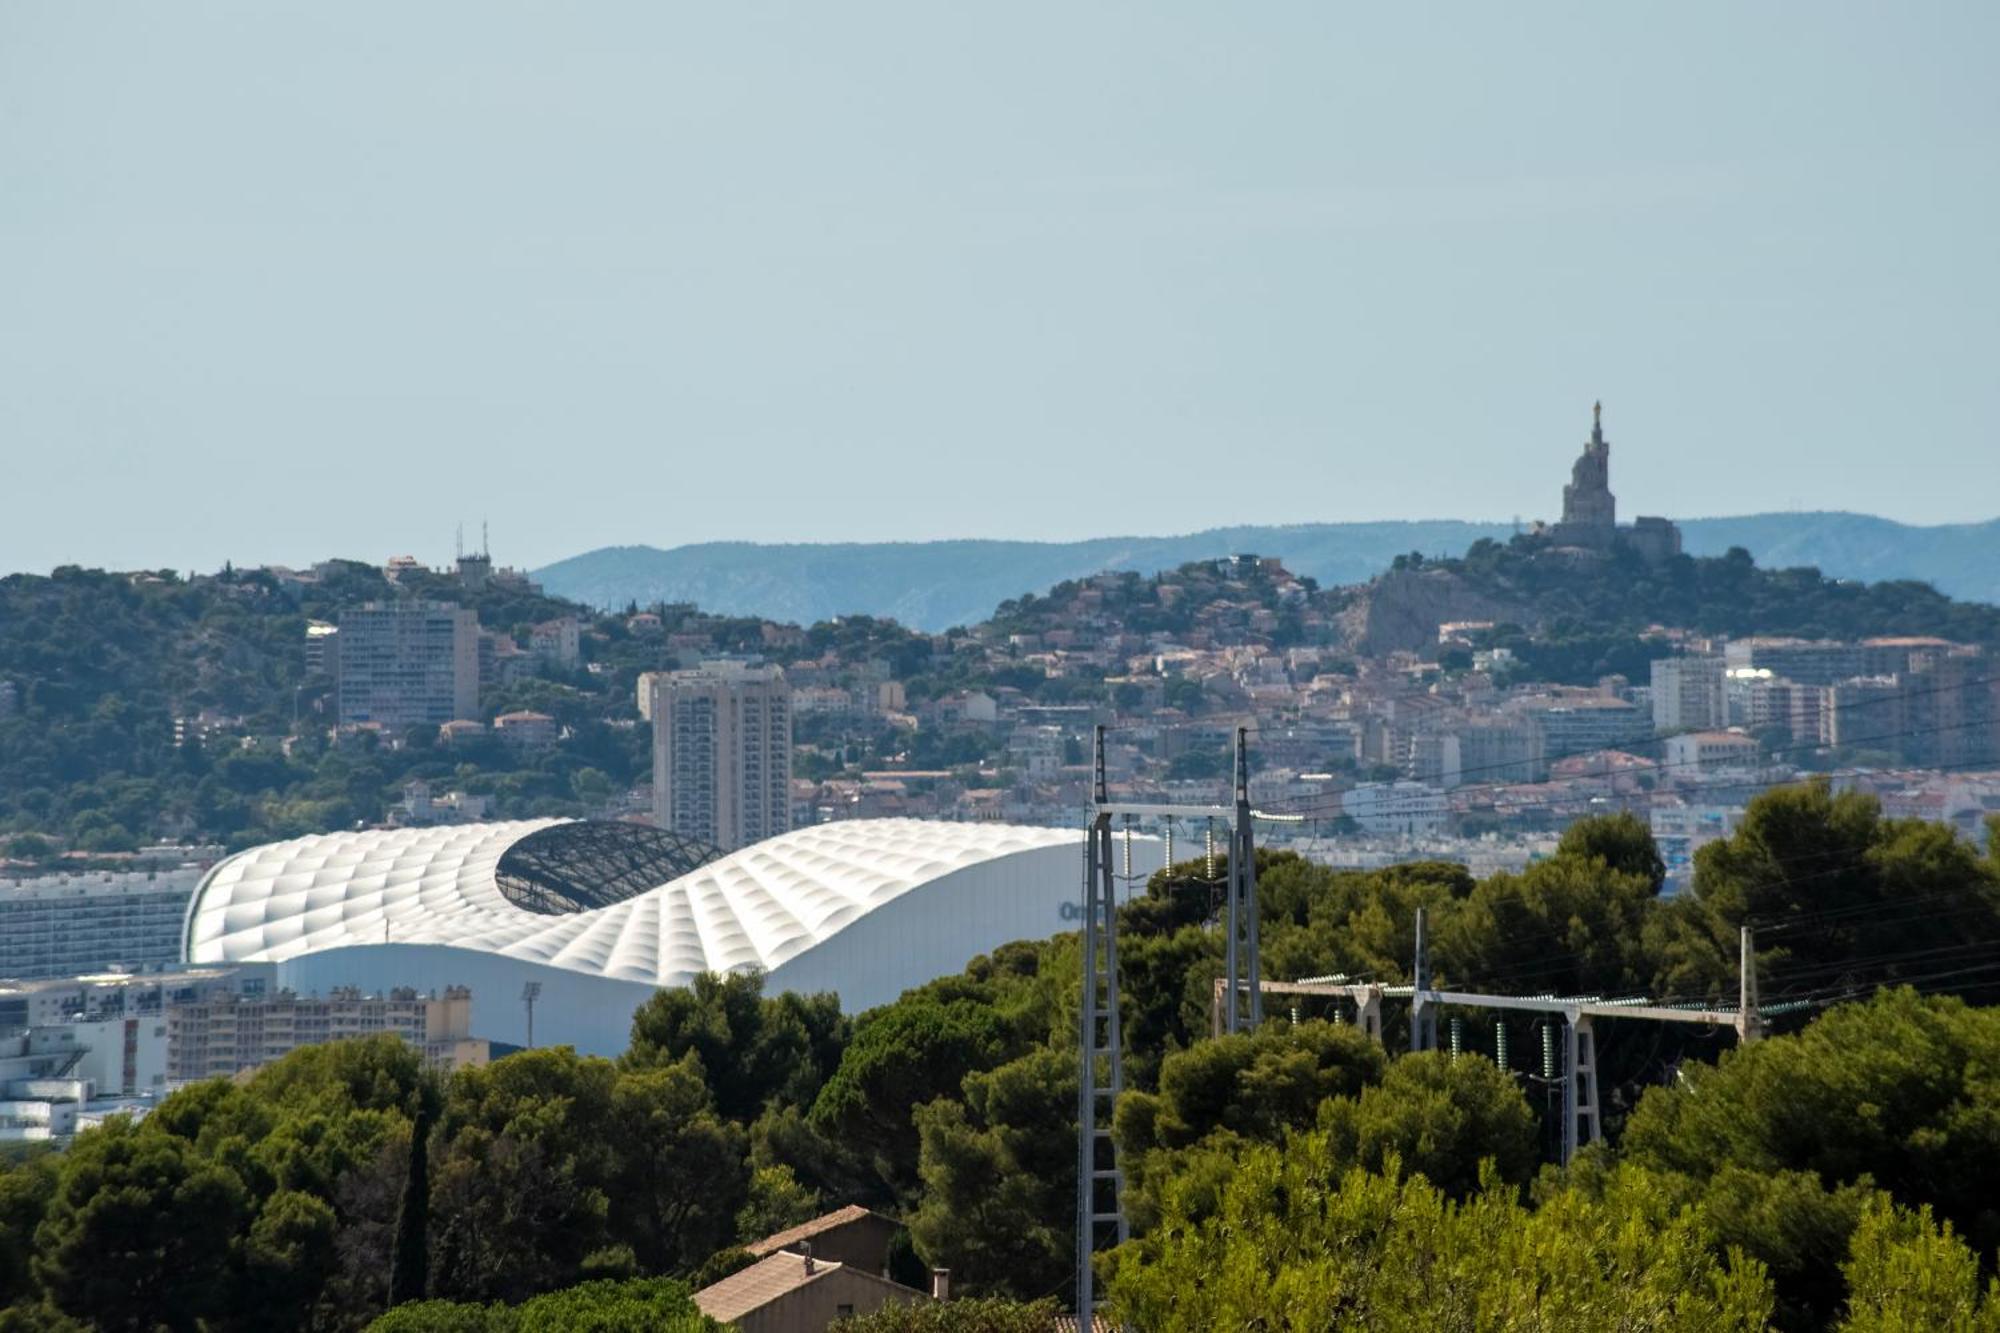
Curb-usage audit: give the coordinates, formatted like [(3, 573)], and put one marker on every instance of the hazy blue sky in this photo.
[(285, 280)]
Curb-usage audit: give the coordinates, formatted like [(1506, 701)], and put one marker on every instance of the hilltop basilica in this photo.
[(1590, 511)]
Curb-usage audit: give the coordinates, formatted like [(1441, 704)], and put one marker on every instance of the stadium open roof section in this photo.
[(603, 914), (588, 864)]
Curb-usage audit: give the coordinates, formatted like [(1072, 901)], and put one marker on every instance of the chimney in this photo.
[(807, 1250), (940, 1284)]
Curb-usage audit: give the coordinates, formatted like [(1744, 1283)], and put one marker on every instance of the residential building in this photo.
[(799, 1293), (321, 636), (1949, 710), (1496, 750), (1036, 751), (1434, 759), (1573, 724), (855, 1236), (421, 806), (832, 1267), (1688, 694), (558, 642), (405, 664), (1408, 809), (99, 996), (1868, 713), (1804, 661), (526, 730), (1694, 753), (722, 752), (1906, 653), (62, 925), (501, 660), (223, 1035)]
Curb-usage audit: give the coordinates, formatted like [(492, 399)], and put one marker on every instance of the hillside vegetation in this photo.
[(106, 663)]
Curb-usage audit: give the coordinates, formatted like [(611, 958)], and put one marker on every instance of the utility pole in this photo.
[(1423, 1019), (1749, 1022), (1240, 948), (1100, 1214)]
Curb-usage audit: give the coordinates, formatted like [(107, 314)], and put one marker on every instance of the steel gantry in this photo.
[(1581, 1109), (1100, 1213)]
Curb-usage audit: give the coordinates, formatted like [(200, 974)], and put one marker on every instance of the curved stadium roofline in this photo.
[(866, 908)]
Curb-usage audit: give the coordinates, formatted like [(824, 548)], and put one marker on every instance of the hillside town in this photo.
[(979, 669)]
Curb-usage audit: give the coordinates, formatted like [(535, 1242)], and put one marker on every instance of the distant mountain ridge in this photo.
[(935, 585)]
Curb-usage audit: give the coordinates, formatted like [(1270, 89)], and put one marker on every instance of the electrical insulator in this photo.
[(1500, 1043), (1170, 845), (1549, 1051), (1211, 850), (1457, 1037), (1128, 848), (1295, 1015)]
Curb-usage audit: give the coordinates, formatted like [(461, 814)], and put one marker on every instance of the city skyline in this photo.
[(569, 275)]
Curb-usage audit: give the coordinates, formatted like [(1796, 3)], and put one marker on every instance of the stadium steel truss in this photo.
[(582, 866)]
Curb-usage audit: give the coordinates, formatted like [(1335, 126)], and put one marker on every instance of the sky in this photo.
[(280, 281)]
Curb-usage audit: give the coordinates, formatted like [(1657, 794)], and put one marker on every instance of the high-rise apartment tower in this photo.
[(722, 752), (406, 664)]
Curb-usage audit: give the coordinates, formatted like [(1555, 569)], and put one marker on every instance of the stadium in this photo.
[(601, 914)]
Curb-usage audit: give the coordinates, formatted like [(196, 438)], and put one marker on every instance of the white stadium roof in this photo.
[(606, 912)]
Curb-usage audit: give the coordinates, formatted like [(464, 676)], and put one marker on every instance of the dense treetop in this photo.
[(1298, 1175)]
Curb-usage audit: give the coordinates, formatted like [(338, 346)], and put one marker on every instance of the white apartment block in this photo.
[(1406, 809), (1689, 694), (62, 925), (722, 752), (406, 664)]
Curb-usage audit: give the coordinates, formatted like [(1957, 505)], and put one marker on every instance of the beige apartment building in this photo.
[(722, 751), (224, 1034)]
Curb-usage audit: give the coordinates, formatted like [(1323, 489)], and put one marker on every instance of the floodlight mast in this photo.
[(529, 994)]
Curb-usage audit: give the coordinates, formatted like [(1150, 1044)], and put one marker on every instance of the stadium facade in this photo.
[(601, 915)]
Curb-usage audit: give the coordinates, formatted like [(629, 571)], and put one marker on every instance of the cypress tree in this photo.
[(408, 1264)]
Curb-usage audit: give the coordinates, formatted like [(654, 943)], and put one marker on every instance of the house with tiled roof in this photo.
[(852, 1235), (787, 1292)]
